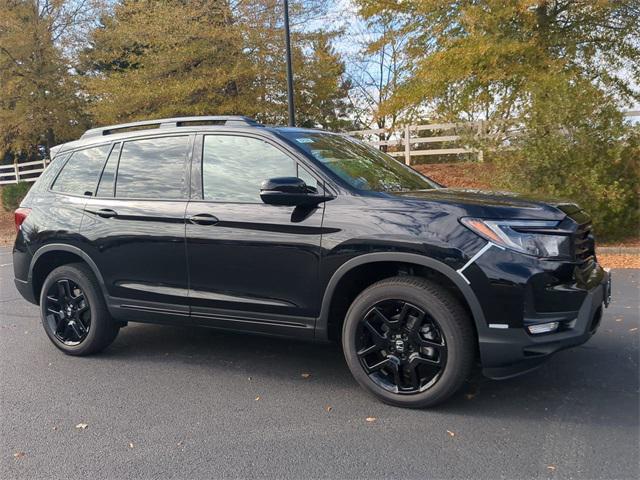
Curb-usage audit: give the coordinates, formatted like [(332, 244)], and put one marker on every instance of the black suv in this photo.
[(222, 222)]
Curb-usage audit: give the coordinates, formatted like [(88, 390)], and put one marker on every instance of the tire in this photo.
[(78, 298), (432, 317)]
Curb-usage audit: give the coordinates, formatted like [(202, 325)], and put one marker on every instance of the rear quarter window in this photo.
[(50, 172), (79, 176)]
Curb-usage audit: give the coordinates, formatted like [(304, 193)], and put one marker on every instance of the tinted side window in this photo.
[(234, 167), (107, 180), (50, 172), (153, 168), (80, 174)]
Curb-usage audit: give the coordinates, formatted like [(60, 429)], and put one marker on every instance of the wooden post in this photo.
[(17, 172), (480, 134), (407, 145)]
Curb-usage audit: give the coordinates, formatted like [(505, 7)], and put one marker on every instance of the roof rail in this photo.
[(238, 120)]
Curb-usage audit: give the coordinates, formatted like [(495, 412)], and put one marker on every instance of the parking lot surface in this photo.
[(172, 402)]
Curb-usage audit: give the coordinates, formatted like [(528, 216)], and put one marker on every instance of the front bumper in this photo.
[(512, 351)]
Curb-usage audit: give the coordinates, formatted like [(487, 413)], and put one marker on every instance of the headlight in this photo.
[(533, 237)]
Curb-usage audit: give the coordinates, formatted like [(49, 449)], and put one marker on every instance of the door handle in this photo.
[(203, 219), (106, 213)]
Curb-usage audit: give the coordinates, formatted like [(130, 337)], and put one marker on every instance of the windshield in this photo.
[(360, 165)]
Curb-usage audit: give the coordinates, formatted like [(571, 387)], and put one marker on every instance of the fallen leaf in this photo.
[(257, 398), (328, 408), (81, 426), (305, 375), (370, 419), (551, 468), (130, 445), (451, 434), (18, 455), (633, 329)]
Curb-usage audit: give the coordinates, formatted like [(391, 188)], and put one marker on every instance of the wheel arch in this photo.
[(53, 255), (322, 324)]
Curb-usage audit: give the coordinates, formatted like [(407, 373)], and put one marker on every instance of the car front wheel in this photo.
[(408, 341)]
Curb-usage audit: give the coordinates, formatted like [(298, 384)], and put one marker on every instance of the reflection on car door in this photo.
[(251, 265), (135, 227)]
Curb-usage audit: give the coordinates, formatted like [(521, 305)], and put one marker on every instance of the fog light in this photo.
[(543, 328)]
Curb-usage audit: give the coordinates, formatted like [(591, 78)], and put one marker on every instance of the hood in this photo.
[(487, 204)]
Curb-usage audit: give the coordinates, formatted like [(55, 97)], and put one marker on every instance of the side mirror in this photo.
[(290, 191)]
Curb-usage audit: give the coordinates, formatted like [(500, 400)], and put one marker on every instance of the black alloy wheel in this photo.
[(409, 341), (401, 347), (68, 312), (74, 313)]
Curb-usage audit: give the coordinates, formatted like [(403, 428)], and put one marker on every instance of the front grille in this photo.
[(583, 244)]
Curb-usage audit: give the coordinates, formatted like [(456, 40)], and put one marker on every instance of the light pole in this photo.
[(287, 38)]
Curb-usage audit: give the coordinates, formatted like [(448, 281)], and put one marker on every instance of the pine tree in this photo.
[(151, 59), (320, 84), (39, 105), (168, 58)]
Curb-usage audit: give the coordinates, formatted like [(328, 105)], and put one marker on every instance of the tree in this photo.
[(320, 86), (484, 59), (175, 57), (154, 59), (547, 75), (376, 71), (39, 105)]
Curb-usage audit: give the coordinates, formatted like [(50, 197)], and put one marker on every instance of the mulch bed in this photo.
[(459, 175), (619, 260), (7, 228)]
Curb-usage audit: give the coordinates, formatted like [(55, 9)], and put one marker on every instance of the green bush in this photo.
[(12, 195), (577, 147)]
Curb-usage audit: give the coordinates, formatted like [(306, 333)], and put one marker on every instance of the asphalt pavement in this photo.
[(172, 402)]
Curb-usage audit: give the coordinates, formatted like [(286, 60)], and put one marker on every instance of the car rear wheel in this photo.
[(409, 342), (74, 314)]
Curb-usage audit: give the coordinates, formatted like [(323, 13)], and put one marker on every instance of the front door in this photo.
[(135, 228), (252, 266)]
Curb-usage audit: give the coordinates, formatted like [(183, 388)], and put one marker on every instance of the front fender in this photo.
[(321, 329)]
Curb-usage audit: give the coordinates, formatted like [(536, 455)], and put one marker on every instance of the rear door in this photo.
[(251, 265), (134, 227)]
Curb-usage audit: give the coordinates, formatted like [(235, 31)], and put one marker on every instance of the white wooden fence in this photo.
[(22, 172), (30, 171), (411, 135)]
